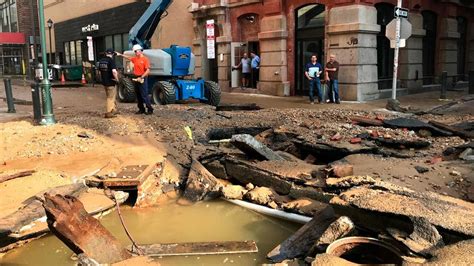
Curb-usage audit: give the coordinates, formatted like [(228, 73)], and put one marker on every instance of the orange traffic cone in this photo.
[(83, 80), (63, 80)]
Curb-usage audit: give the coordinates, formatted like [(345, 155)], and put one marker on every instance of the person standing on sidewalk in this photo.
[(312, 72), (332, 71), (255, 64), (141, 69), (245, 65), (109, 78)]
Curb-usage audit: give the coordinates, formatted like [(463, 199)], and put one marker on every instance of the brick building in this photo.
[(285, 33), (18, 21)]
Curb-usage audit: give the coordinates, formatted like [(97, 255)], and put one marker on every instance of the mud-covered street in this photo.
[(312, 156)]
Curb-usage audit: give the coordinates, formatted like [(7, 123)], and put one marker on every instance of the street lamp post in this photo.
[(48, 116), (50, 25)]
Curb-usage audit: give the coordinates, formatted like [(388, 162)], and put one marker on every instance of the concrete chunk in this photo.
[(200, 183), (250, 146)]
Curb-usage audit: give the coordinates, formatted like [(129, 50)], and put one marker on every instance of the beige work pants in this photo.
[(111, 93)]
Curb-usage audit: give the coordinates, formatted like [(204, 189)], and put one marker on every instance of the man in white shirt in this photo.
[(245, 65)]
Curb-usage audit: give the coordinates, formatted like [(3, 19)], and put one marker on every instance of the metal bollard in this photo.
[(35, 96), (444, 84), (9, 94), (471, 82)]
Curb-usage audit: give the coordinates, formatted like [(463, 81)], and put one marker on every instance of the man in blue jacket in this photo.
[(313, 72)]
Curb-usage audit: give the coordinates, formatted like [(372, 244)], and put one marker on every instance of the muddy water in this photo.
[(204, 221)]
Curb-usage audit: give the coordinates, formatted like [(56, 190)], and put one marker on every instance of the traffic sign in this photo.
[(405, 29), (401, 12)]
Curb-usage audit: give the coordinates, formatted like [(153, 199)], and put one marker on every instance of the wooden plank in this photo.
[(300, 243), (455, 131), (200, 248), (4, 178), (238, 107), (365, 121), (81, 232)]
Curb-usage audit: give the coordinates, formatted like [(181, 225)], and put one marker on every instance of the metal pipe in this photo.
[(9, 94), (48, 116), (35, 96), (397, 48)]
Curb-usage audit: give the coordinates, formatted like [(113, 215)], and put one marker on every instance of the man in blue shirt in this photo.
[(313, 72), (255, 64)]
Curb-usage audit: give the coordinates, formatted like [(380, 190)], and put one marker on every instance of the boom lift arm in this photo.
[(142, 31)]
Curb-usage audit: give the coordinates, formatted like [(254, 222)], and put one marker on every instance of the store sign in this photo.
[(90, 48), (211, 39), (89, 28)]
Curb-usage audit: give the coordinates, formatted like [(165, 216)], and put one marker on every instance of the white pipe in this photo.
[(297, 218)]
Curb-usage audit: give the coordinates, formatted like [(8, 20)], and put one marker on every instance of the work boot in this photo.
[(338, 102), (139, 112), (149, 112)]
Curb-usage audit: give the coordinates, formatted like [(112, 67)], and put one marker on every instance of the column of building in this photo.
[(411, 57), (273, 54), (448, 46), (352, 36), (224, 51), (470, 47)]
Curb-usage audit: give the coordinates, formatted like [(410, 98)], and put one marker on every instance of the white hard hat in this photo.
[(137, 47)]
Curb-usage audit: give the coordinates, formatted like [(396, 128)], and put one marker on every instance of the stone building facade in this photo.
[(285, 33)]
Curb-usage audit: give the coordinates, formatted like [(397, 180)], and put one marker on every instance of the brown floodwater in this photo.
[(171, 223)]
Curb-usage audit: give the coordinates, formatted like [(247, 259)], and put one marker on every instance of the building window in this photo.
[(8, 16), (11, 60), (384, 52), (67, 53)]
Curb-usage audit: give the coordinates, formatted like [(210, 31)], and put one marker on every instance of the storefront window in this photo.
[(11, 60), (67, 53), (8, 16), (72, 48), (79, 52), (109, 42)]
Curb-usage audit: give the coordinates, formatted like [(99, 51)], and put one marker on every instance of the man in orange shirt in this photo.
[(141, 69)]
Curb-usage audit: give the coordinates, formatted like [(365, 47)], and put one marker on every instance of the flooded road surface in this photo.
[(204, 221)]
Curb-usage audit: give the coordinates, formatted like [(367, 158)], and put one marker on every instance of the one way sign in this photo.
[(401, 12)]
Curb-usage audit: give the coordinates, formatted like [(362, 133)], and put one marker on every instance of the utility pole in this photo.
[(397, 48), (48, 116)]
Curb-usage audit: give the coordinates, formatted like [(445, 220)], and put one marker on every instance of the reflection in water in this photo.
[(204, 221)]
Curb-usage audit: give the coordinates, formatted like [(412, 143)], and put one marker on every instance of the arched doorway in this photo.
[(310, 22), (384, 52), (430, 20)]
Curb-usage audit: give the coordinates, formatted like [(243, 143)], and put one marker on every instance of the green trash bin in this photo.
[(72, 72)]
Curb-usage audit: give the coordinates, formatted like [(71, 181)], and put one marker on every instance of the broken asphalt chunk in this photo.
[(253, 148)]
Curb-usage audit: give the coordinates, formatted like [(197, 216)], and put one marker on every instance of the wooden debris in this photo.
[(238, 107), (4, 178), (364, 121), (455, 131), (200, 248), (253, 148), (340, 228), (300, 243), (82, 233)]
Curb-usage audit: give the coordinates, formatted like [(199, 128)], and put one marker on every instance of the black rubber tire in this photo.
[(212, 92), (126, 90), (163, 93)]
